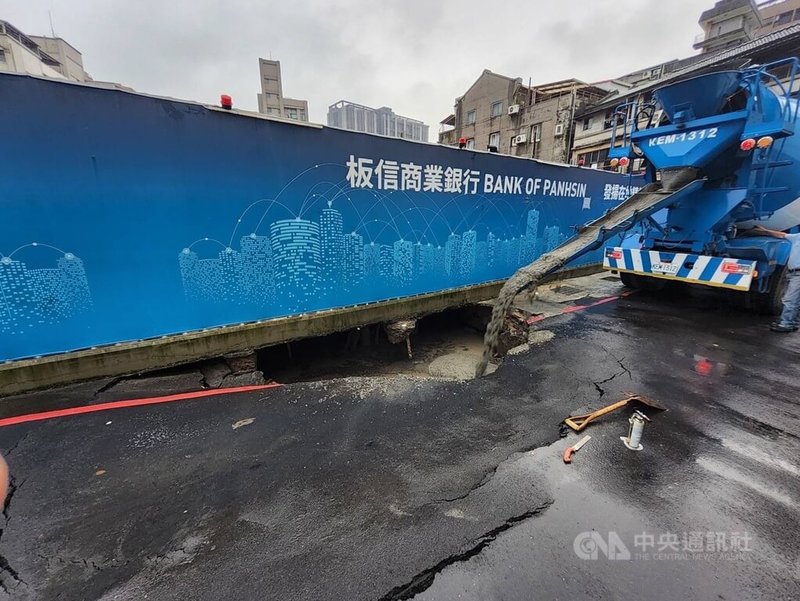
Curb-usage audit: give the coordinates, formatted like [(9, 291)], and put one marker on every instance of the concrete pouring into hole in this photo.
[(443, 345)]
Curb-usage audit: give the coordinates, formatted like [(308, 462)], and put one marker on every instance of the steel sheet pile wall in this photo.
[(125, 217)]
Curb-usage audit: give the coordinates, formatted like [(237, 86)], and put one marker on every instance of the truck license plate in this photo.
[(665, 268)]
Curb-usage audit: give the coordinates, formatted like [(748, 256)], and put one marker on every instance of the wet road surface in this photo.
[(400, 487)]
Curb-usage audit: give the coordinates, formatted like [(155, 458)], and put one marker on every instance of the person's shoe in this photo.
[(776, 327)]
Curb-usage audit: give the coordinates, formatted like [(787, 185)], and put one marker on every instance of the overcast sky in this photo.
[(415, 56)]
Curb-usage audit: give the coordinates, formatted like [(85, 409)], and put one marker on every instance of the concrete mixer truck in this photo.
[(721, 156), (730, 135)]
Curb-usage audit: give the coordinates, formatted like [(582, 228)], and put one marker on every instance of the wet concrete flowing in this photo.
[(589, 237), (525, 278)]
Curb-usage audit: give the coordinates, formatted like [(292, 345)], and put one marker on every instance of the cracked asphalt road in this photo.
[(398, 488)]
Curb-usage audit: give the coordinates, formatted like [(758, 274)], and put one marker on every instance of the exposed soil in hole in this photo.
[(447, 344)]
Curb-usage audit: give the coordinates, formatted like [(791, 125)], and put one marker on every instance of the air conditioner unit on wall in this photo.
[(513, 109), (521, 139), (559, 130)]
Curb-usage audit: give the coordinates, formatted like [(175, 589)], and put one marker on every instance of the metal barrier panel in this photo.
[(125, 217)]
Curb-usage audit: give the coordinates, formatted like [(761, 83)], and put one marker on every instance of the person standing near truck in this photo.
[(791, 298)]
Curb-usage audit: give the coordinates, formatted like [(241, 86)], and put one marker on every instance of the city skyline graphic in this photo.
[(41, 296), (343, 246)]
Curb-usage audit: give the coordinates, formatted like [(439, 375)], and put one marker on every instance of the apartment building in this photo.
[(384, 121), (501, 114), (38, 55)]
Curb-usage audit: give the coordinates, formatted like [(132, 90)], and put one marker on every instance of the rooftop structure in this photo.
[(38, 55)]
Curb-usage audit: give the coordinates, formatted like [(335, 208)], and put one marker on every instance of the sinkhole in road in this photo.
[(444, 345)]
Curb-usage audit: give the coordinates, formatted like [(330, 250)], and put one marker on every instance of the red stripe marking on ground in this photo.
[(575, 308), (35, 417)]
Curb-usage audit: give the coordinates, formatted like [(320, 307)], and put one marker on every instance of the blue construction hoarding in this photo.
[(125, 216)]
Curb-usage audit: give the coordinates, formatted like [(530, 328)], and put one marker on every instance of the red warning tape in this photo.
[(575, 308), (35, 417)]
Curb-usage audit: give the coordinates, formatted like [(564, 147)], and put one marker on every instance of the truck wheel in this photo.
[(771, 302), (629, 280), (640, 282)]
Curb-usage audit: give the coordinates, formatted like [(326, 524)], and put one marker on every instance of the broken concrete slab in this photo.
[(250, 378), (214, 372), (245, 361)]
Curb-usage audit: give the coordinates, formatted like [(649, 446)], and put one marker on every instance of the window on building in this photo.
[(291, 113), (270, 96), (784, 18), (273, 111), (497, 108), (587, 124), (494, 139), (471, 143), (302, 115), (595, 160), (2, 55), (471, 117), (536, 139)]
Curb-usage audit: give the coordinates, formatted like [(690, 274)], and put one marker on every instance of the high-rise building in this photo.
[(353, 272), (256, 271), (386, 261), (528, 250), (468, 252), (452, 255), (427, 260), (402, 268), (552, 237), (513, 252), (491, 250), (296, 254), (332, 248), (383, 121), (32, 297), (19, 310), (372, 259), (271, 100)]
